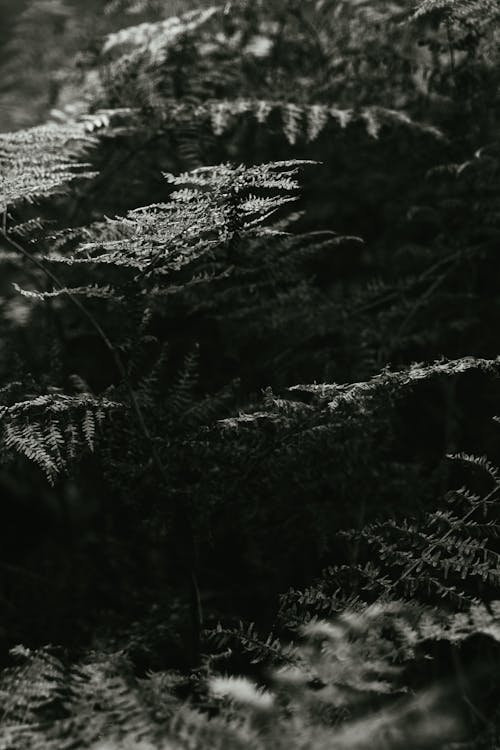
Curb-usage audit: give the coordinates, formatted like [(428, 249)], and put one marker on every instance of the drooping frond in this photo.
[(296, 122), (52, 429), (304, 122)]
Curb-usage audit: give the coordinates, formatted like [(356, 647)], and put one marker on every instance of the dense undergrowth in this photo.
[(249, 374)]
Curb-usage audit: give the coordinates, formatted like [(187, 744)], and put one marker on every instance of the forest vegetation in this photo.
[(249, 360)]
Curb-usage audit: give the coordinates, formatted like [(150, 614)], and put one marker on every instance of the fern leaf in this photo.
[(41, 160), (50, 429)]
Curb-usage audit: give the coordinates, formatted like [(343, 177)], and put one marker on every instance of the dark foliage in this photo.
[(249, 374)]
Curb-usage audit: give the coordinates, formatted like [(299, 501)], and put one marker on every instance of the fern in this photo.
[(447, 555), (360, 393), (257, 649), (246, 398), (297, 122), (355, 662), (37, 161), (458, 9), (164, 238), (156, 38), (53, 429)]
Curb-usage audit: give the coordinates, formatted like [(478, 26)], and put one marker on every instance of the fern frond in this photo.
[(41, 160), (155, 38), (216, 203), (93, 291), (360, 393), (345, 685), (52, 429), (457, 9), (297, 122)]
